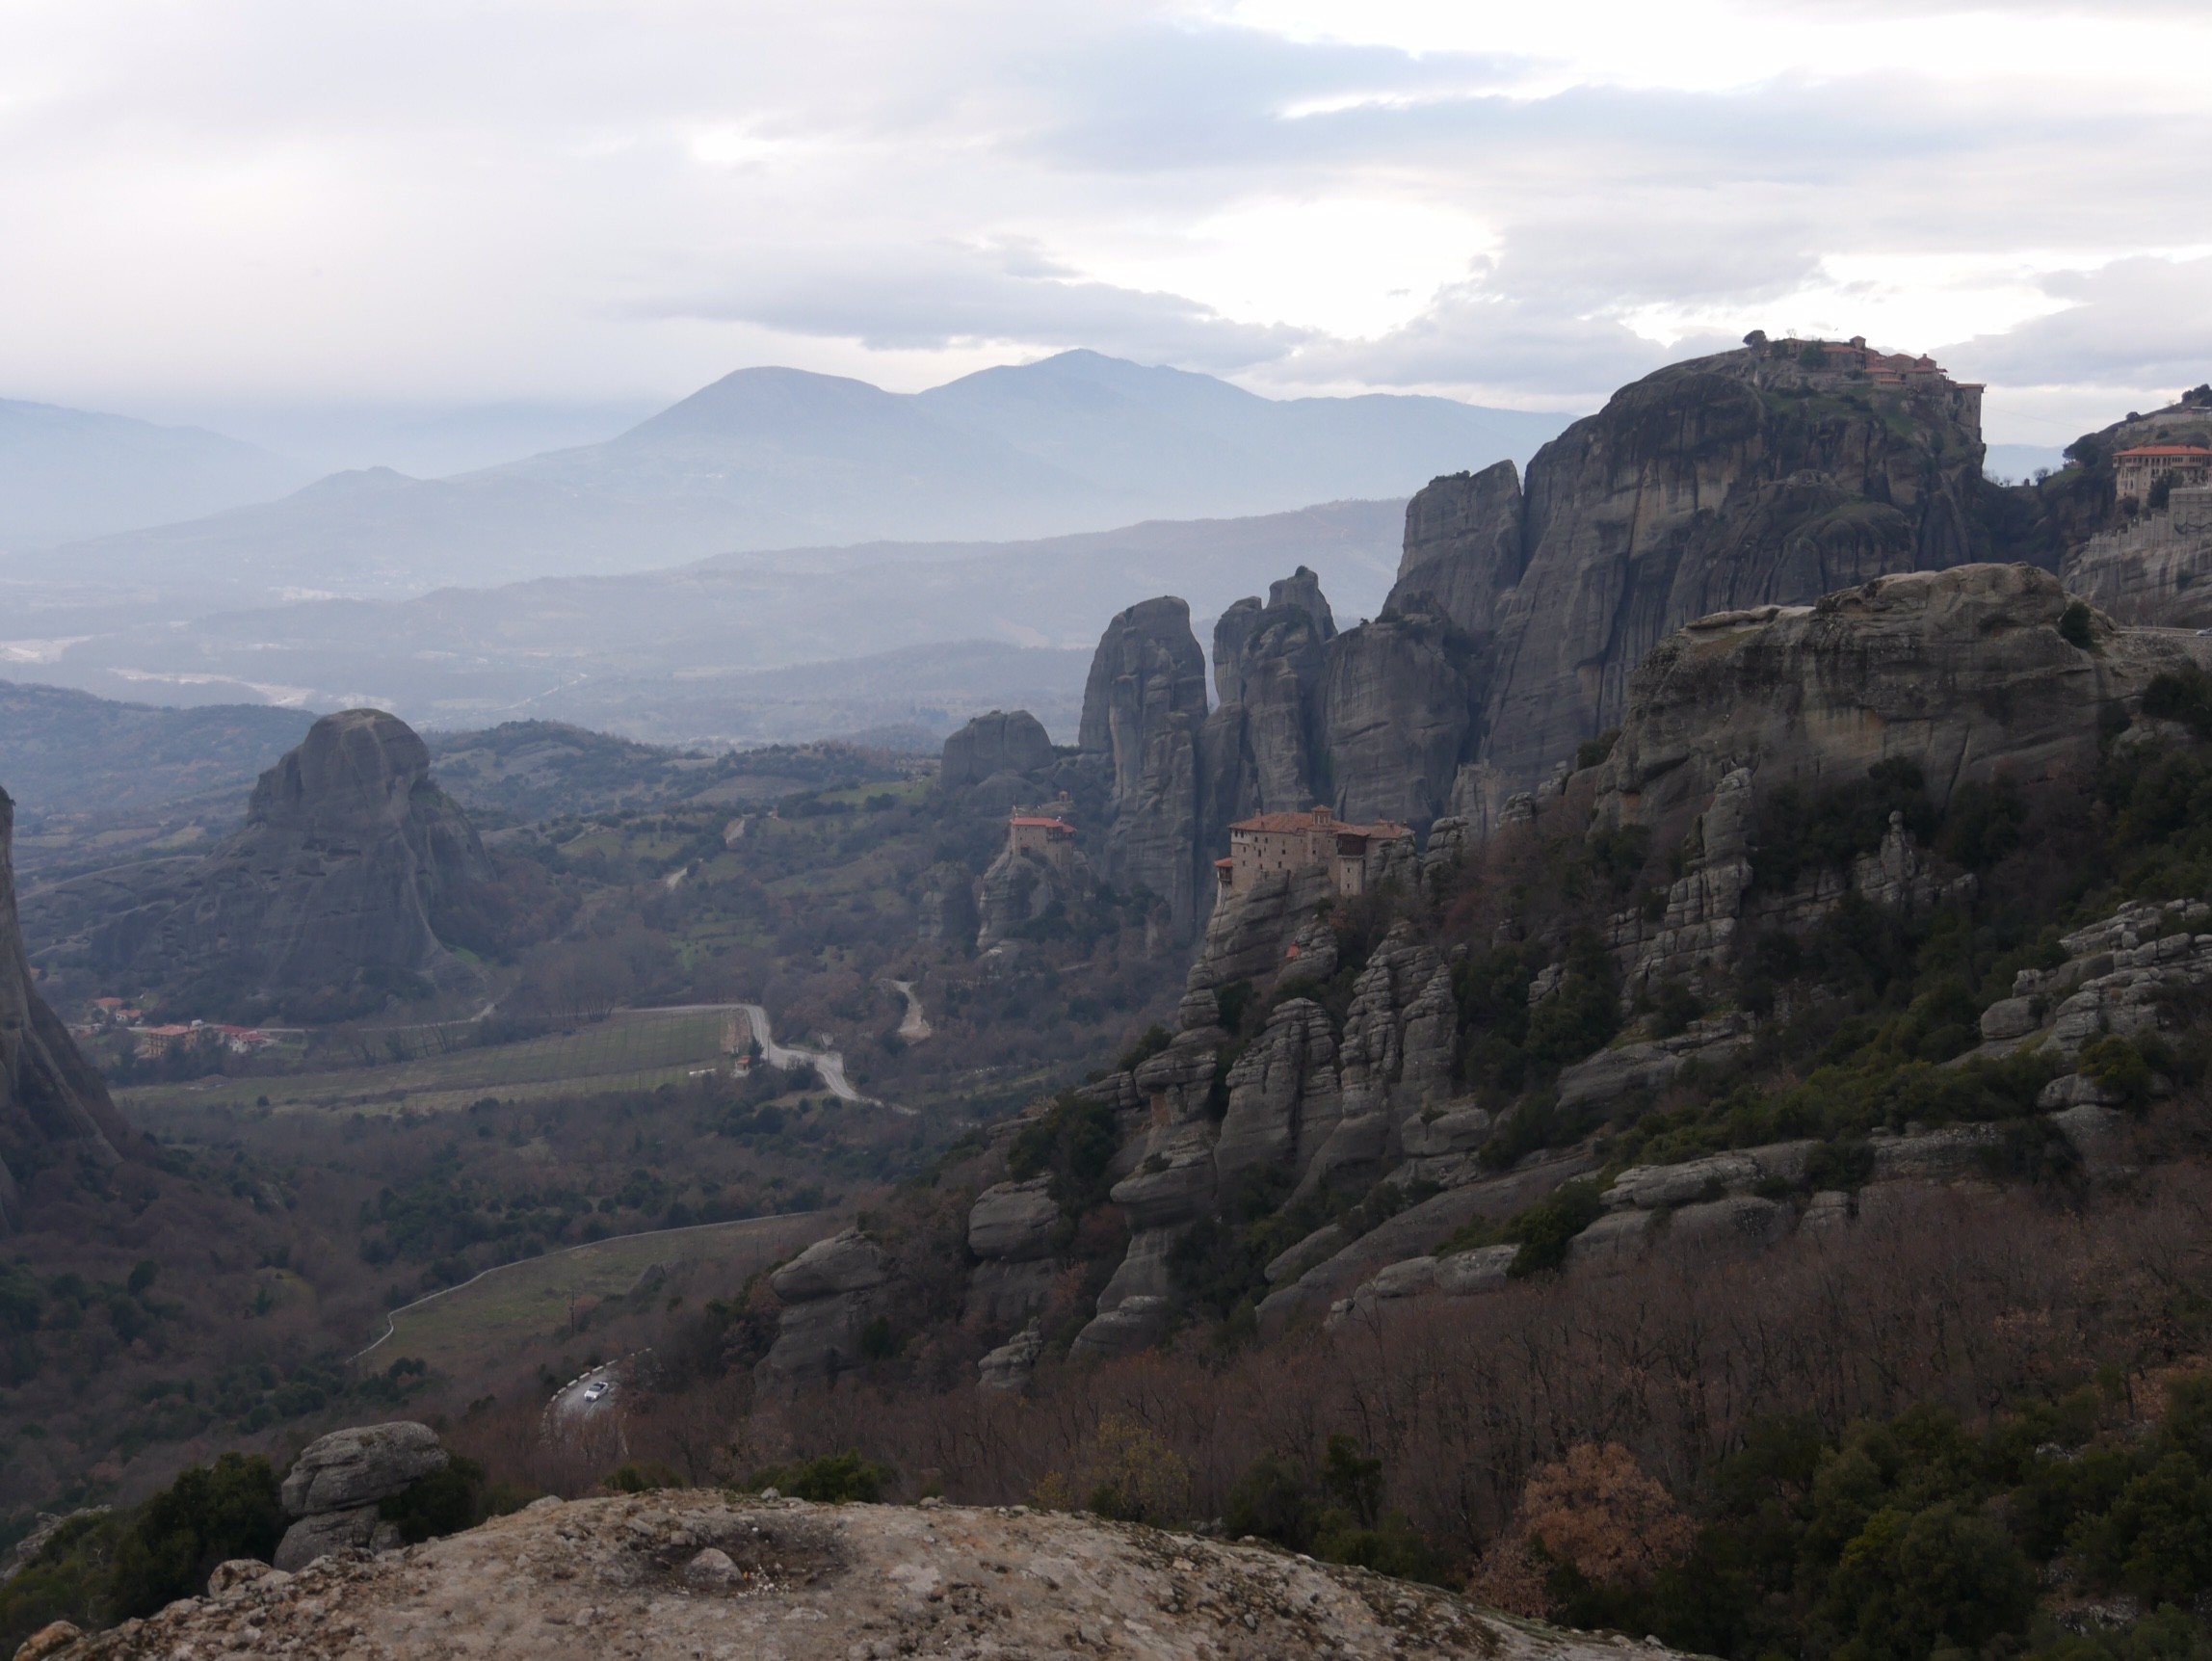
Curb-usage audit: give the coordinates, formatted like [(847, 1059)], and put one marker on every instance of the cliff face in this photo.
[(53, 1106), (1963, 673), (1261, 748), (1741, 479), (327, 893), (1144, 707)]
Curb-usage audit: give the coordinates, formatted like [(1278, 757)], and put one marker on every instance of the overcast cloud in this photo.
[(216, 205)]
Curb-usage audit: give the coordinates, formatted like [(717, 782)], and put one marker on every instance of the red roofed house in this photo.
[(1272, 842), (1044, 832), (2134, 472)]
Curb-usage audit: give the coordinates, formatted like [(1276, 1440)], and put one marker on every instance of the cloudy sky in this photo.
[(210, 207)]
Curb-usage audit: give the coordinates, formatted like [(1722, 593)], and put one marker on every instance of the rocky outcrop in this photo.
[(1743, 479), (1011, 1230), (1465, 550), (945, 914), (1963, 673), (687, 1573), (1020, 890), (1401, 705), (54, 1109), (989, 744), (334, 1488), (2153, 570), (828, 1293), (327, 898), (1144, 707), (1259, 750)]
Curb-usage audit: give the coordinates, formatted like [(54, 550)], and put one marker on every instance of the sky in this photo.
[(257, 211)]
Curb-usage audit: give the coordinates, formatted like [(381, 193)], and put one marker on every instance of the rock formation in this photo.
[(945, 914), (336, 1485), (993, 744), (1022, 889), (1143, 707), (1261, 747), (2153, 570), (1963, 672), (829, 1296), (1743, 479), (688, 1573), (54, 1109), (1463, 548), (1011, 1230), (326, 899)]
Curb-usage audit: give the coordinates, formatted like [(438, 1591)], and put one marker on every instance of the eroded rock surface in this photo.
[(689, 1574), (54, 1106), (330, 893)]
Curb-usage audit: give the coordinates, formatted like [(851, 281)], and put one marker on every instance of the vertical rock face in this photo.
[(348, 852), (1746, 478), (52, 1103), (1144, 707), (1963, 673), (1400, 715), (992, 744), (1259, 751), (1464, 548), (945, 912)]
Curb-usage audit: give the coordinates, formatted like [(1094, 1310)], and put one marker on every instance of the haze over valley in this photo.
[(1245, 829)]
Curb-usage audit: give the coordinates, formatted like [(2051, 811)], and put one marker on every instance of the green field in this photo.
[(624, 1052), (503, 1309)]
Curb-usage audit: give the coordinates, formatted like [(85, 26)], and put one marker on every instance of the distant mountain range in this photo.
[(66, 474), (778, 458), (743, 649)]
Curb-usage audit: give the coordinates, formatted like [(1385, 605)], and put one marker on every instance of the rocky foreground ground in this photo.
[(697, 1575)]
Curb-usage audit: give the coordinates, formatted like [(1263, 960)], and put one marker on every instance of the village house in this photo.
[(2182, 466), (1273, 842)]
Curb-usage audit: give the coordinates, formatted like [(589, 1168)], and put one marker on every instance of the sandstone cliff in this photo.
[(54, 1109), (326, 899), (694, 1573), (1144, 707), (1963, 673), (1742, 479)]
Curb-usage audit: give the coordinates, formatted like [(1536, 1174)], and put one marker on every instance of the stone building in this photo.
[(2183, 466), (1274, 842), (1045, 831)]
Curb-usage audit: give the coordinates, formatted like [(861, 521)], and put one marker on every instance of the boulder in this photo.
[(359, 1466), (846, 1262), (1133, 1325), (1000, 742), (1739, 1222), (1013, 1219), (358, 1529), (1008, 1366)]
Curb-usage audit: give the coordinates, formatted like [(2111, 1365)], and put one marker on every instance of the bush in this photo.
[(443, 1503), (1542, 1231), (834, 1479), (2075, 624)]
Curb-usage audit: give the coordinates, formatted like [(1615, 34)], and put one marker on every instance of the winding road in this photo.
[(826, 1062)]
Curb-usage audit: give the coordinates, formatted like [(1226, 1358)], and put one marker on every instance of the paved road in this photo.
[(575, 1401), (826, 1062)]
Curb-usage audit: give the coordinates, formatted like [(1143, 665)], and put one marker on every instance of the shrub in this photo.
[(1542, 1231), (2074, 626), (834, 1479), (443, 1503)]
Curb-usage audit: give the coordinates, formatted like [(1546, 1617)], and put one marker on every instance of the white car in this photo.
[(597, 1389)]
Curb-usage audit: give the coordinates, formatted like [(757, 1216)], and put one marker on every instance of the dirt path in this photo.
[(916, 1026)]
